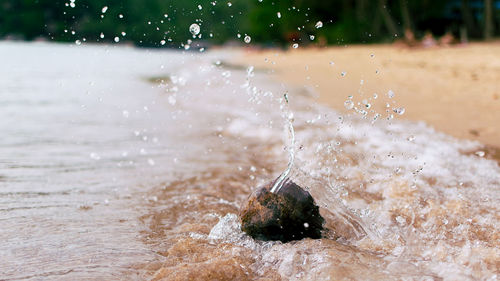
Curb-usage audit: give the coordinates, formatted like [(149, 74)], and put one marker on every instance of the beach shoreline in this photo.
[(453, 89)]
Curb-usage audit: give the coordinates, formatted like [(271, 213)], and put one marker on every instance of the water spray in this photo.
[(282, 210)]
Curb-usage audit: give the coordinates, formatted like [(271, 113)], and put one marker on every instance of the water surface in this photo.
[(106, 175)]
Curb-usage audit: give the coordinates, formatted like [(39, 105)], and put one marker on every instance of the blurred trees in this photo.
[(271, 22)]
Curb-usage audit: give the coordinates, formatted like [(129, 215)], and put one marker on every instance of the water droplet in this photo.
[(319, 24), (102, 35), (250, 70), (390, 94), (480, 153), (104, 9), (162, 42), (125, 113), (306, 225), (279, 15), (399, 110), (117, 39), (151, 162), (295, 45), (411, 138), (229, 4), (343, 73), (194, 29), (120, 16), (123, 33), (247, 39), (311, 37), (200, 7), (349, 104), (78, 42)]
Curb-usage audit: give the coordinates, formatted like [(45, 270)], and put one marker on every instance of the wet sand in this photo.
[(455, 89)]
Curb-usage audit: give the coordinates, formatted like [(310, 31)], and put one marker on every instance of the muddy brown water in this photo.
[(106, 175)]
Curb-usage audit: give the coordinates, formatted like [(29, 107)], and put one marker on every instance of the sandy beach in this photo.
[(454, 89)]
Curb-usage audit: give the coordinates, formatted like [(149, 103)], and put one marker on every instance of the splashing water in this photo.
[(291, 148), (194, 29)]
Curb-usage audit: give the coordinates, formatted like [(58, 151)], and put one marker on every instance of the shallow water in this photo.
[(104, 176), (84, 135)]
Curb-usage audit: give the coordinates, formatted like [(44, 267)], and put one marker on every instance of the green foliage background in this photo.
[(145, 23)]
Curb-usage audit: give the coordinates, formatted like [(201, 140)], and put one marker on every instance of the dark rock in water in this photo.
[(289, 214)]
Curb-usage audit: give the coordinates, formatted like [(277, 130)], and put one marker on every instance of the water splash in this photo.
[(291, 148)]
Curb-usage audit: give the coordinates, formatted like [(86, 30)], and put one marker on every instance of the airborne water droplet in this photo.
[(319, 24), (399, 110), (104, 9), (194, 29), (279, 15), (349, 104), (247, 39), (117, 39), (390, 94), (295, 46), (311, 37)]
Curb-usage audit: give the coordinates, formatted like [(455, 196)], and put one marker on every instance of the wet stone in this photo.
[(289, 214)]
